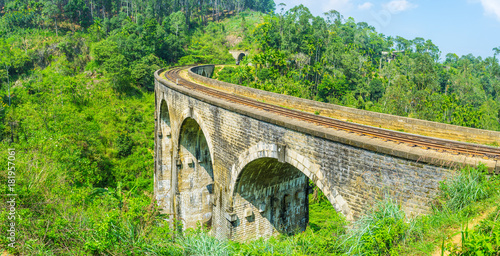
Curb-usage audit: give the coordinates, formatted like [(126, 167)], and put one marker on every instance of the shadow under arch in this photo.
[(271, 197), (165, 137), (276, 194), (195, 176)]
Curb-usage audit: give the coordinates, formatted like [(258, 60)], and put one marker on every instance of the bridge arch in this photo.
[(191, 113), (238, 55), (195, 175), (254, 189)]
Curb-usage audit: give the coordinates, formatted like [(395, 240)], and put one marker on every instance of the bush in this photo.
[(104, 50), (124, 145), (142, 71)]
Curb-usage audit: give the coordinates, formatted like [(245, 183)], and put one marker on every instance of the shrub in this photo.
[(104, 50)]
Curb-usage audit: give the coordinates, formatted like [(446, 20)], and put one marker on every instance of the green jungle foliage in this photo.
[(78, 108)]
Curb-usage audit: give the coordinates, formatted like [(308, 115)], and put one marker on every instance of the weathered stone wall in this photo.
[(244, 144), (392, 122), (163, 158)]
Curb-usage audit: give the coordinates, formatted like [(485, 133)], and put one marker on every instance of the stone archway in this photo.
[(276, 193), (195, 176), (238, 55), (271, 197)]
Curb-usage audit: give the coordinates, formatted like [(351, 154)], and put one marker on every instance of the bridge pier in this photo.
[(163, 171)]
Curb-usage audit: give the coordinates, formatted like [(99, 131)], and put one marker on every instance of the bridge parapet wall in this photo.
[(392, 122)]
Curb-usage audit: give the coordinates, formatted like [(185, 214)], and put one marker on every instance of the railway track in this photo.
[(440, 145)]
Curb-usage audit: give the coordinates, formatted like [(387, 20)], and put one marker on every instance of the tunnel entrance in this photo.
[(240, 58), (271, 197), (195, 177)]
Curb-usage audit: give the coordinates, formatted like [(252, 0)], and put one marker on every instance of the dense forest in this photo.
[(77, 120), (337, 60)]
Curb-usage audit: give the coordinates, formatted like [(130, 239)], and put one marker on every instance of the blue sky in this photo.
[(459, 26)]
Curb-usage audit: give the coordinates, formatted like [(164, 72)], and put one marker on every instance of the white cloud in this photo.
[(492, 7), (365, 6), (397, 6)]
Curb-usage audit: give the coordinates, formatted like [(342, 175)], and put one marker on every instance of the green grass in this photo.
[(485, 240), (323, 219), (471, 186), (378, 232), (202, 244), (462, 198), (249, 19)]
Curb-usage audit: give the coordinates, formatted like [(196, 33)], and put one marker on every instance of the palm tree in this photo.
[(496, 51)]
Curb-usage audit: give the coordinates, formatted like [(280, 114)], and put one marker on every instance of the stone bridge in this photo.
[(247, 173)]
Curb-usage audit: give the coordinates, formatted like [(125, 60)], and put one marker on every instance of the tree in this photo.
[(148, 34), (6, 59), (432, 49), (496, 51), (334, 18), (424, 74), (332, 87), (142, 71), (377, 89), (178, 24), (403, 44), (52, 12), (451, 59), (419, 43), (119, 72)]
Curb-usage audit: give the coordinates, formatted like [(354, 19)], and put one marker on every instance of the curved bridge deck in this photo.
[(412, 140)]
